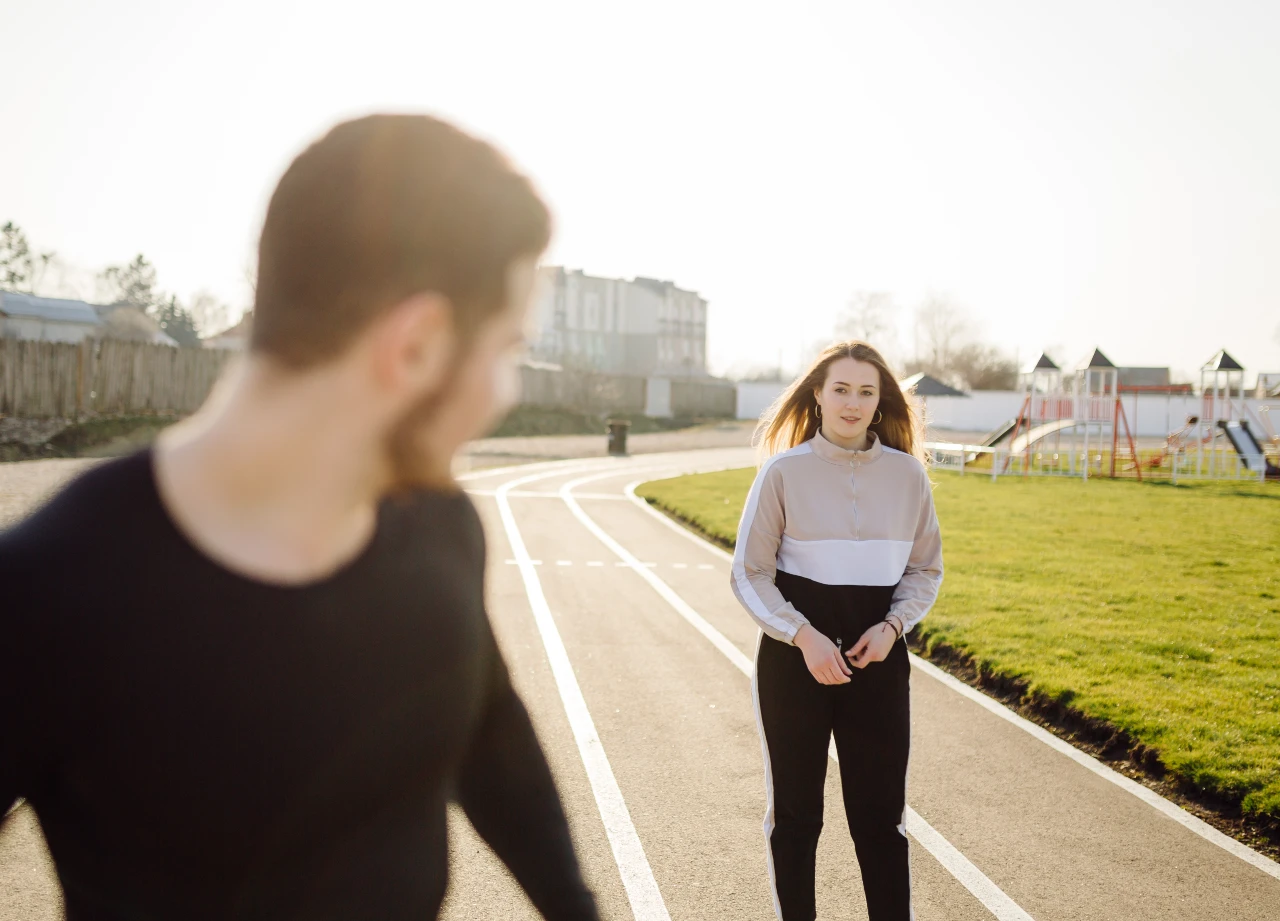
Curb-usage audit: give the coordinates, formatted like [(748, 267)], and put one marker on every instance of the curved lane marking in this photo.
[(978, 883), (637, 876), (1146, 794)]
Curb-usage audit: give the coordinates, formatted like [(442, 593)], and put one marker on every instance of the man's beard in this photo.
[(412, 463)]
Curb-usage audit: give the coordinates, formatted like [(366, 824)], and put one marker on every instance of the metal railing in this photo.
[(1156, 464)]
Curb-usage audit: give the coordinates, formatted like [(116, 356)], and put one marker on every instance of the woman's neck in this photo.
[(861, 443)]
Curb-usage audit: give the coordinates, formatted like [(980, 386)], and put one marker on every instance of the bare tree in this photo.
[(249, 272), (941, 328), (870, 316), (210, 314), (984, 367), (129, 323)]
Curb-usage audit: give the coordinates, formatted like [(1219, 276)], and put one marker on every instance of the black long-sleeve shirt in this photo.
[(199, 744)]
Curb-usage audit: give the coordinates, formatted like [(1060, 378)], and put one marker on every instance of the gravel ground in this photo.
[(25, 484)]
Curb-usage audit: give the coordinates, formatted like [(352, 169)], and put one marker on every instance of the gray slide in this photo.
[(1248, 447)]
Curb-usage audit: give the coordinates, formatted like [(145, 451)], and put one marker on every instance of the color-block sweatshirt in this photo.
[(835, 517)]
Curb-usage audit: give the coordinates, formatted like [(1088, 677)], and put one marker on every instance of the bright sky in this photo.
[(1073, 174)]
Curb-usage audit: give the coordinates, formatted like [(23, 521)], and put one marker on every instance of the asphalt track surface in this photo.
[(633, 657)]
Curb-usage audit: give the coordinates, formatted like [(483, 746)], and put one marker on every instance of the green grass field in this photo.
[(1153, 607)]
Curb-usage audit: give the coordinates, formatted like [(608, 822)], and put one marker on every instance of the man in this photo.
[(248, 668)]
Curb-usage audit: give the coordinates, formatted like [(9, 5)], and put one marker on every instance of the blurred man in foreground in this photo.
[(249, 667)]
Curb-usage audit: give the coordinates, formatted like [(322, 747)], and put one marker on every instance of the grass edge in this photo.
[(1102, 740)]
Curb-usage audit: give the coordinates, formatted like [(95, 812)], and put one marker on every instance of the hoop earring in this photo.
[(878, 420), (817, 411)]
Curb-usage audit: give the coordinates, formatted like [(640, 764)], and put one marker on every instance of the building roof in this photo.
[(1097, 360), (927, 386), (1221, 361), (1144, 377), (48, 308)]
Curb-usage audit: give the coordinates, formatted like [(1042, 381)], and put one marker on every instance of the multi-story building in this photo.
[(643, 327)]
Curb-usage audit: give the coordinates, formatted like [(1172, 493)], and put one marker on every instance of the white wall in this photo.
[(657, 398), (979, 411), (754, 397), (1149, 414)]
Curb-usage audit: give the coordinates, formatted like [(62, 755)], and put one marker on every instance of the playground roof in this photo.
[(1044, 362), (926, 386), (1097, 360), (1221, 361)]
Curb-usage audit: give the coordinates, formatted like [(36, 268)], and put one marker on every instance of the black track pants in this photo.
[(870, 718)]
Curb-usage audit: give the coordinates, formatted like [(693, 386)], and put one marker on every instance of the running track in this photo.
[(634, 658)]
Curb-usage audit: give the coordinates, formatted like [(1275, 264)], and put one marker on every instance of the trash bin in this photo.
[(618, 437)]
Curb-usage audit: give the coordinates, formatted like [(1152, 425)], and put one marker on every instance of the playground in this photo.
[(1076, 423), (1154, 609)]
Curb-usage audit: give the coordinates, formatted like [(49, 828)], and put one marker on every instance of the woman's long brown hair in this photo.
[(793, 417)]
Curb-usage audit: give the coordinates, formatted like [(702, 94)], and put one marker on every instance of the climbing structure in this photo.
[(1085, 403)]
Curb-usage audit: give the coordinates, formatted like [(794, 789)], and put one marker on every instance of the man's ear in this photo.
[(414, 344)]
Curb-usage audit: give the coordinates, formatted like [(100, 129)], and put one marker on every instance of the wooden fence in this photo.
[(56, 380), (41, 380)]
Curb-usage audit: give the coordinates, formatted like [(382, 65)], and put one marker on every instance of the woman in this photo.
[(838, 557)]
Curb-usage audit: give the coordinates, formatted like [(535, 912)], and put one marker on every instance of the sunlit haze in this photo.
[(1071, 174)]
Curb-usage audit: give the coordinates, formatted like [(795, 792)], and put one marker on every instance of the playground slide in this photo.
[(1025, 440), (1246, 445), (994, 437), (999, 434)]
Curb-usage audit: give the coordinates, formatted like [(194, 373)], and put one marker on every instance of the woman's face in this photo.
[(848, 400)]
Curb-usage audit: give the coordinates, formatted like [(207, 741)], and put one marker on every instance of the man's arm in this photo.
[(506, 789), (17, 696)]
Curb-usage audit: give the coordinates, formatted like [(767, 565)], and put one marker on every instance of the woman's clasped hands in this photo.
[(823, 657)]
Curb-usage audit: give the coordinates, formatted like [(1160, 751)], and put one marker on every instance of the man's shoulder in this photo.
[(433, 516), (106, 496)]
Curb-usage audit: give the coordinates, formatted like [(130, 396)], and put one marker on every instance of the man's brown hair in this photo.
[(379, 209)]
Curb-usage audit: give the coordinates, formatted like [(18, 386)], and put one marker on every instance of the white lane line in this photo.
[(1146, 794), (955, 863), (564, 562), (675, 461), (637, 877), (630, 491), (528, 494), (594, 563), (705, 566), (680, 565), (580, 462)]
